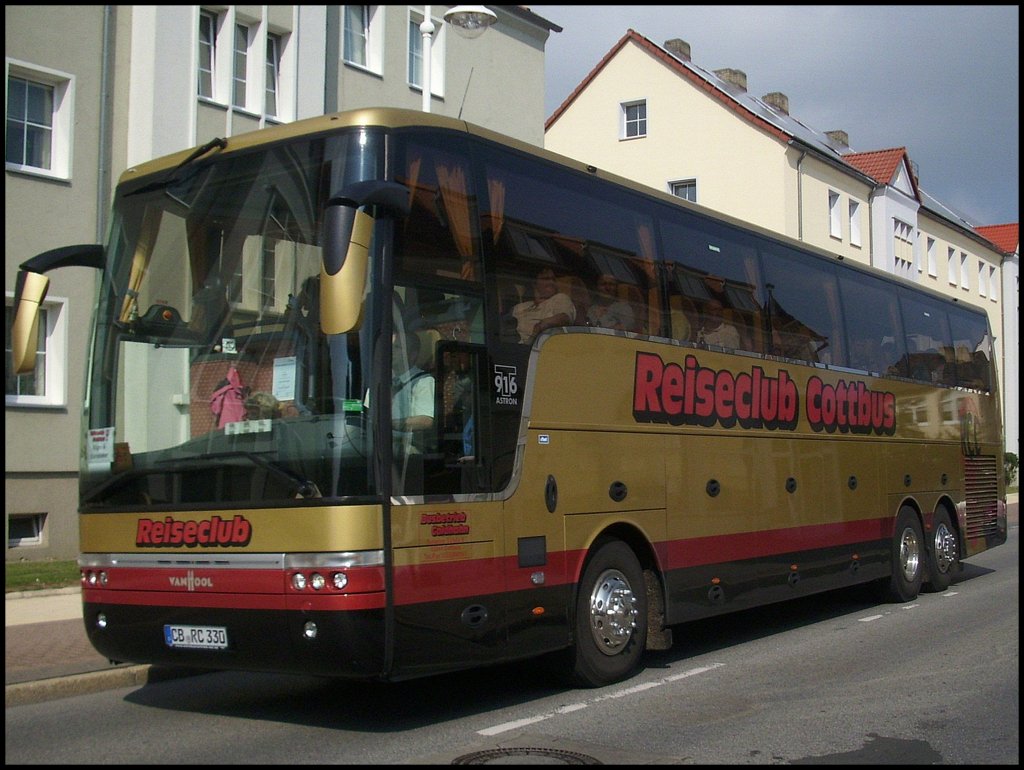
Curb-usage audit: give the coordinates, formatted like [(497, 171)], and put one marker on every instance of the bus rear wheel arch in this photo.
[(610, 618)]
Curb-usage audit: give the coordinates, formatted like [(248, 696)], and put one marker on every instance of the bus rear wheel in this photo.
[(908, 558), (611, 617), (943, 553)]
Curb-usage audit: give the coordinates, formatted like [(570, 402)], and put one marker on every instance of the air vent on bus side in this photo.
[(982, 492)]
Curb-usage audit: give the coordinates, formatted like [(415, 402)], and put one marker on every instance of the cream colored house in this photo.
[(95, 89), (649, 113)]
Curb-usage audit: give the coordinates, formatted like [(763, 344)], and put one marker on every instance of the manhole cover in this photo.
[(527, 756)]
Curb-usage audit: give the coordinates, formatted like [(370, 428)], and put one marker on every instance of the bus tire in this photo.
[(610, 618), (908, 558), (943, 553)]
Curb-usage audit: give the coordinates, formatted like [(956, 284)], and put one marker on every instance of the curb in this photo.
[(24, 693)]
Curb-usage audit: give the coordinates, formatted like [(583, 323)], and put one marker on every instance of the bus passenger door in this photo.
[(449, 580)]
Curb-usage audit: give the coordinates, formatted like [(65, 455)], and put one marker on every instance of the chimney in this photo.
[(678, 47), (839, 137), (737, 77), (778, 100)]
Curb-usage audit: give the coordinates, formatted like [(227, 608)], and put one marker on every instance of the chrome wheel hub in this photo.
[(613, 612), (945, 548), (910, 554)]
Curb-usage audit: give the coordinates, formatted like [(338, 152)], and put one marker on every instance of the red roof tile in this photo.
[(1005, 237), (881, 165)]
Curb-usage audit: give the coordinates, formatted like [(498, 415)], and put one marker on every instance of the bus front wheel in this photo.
[(908, 558), (611, 617), (944, 553)]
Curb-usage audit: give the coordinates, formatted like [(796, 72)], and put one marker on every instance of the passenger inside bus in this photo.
[(714, 329), (548, 308), (607, 310)]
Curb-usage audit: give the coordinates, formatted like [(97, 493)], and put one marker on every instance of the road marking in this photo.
[(504, 727), (950, 593), (869, 618)]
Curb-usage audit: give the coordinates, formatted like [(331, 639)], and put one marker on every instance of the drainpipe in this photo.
[(800, 196), (105, 149)]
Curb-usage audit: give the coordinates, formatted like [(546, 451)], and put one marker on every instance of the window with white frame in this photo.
[(685, 189), (994, 293), (634, 119), (953, 267), (965, 275), (933, 269), (24, 529), (835, 221), (240, 66), (854, 223), (40, 103), (207, 53), (415, 63), (46, 384), (982, 279), (362, 36), (272, 85), (902, 248)]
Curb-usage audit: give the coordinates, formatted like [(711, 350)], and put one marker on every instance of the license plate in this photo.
[(196, 637)]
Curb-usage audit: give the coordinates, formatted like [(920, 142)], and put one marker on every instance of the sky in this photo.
[(942, 81)]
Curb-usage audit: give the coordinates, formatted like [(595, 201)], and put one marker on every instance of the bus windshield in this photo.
[(210, 380)]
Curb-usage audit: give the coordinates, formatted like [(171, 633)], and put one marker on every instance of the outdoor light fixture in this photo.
[(470, 20)]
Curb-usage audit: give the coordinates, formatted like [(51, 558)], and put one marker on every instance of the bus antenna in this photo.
[(465, 92)]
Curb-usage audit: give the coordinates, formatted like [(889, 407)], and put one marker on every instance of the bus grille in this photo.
[(982, 492)]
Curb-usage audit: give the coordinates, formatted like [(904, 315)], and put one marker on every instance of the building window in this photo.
[(982, 279), (25, 529), (39, 120), (273, 76), (207, 52), (954, 275), (933, 269), (240, 66), (903, 248), (357, 33), (855, 223), (993, 294), (46, 384), (965, 277), (685, 189), (835, 222), (634, 119), (363, 40)]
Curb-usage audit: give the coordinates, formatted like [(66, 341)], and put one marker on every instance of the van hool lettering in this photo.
[(208, 533), (692, 394)]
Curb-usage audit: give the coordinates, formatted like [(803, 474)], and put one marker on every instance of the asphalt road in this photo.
[(834, 679)]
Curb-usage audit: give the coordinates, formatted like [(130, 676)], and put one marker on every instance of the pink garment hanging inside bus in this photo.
[(228, 401)]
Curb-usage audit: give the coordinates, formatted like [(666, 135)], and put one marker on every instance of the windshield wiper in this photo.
[(304, 488)]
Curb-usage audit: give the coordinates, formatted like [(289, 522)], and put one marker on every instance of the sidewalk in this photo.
[(47, 654)]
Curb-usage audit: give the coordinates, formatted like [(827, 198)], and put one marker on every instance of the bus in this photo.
[(254, 496)]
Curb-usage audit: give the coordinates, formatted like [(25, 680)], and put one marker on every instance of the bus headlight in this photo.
[(340, 580), (298, 581)]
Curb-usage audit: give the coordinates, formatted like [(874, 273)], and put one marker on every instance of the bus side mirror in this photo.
[(348, 229), (30, 291)]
